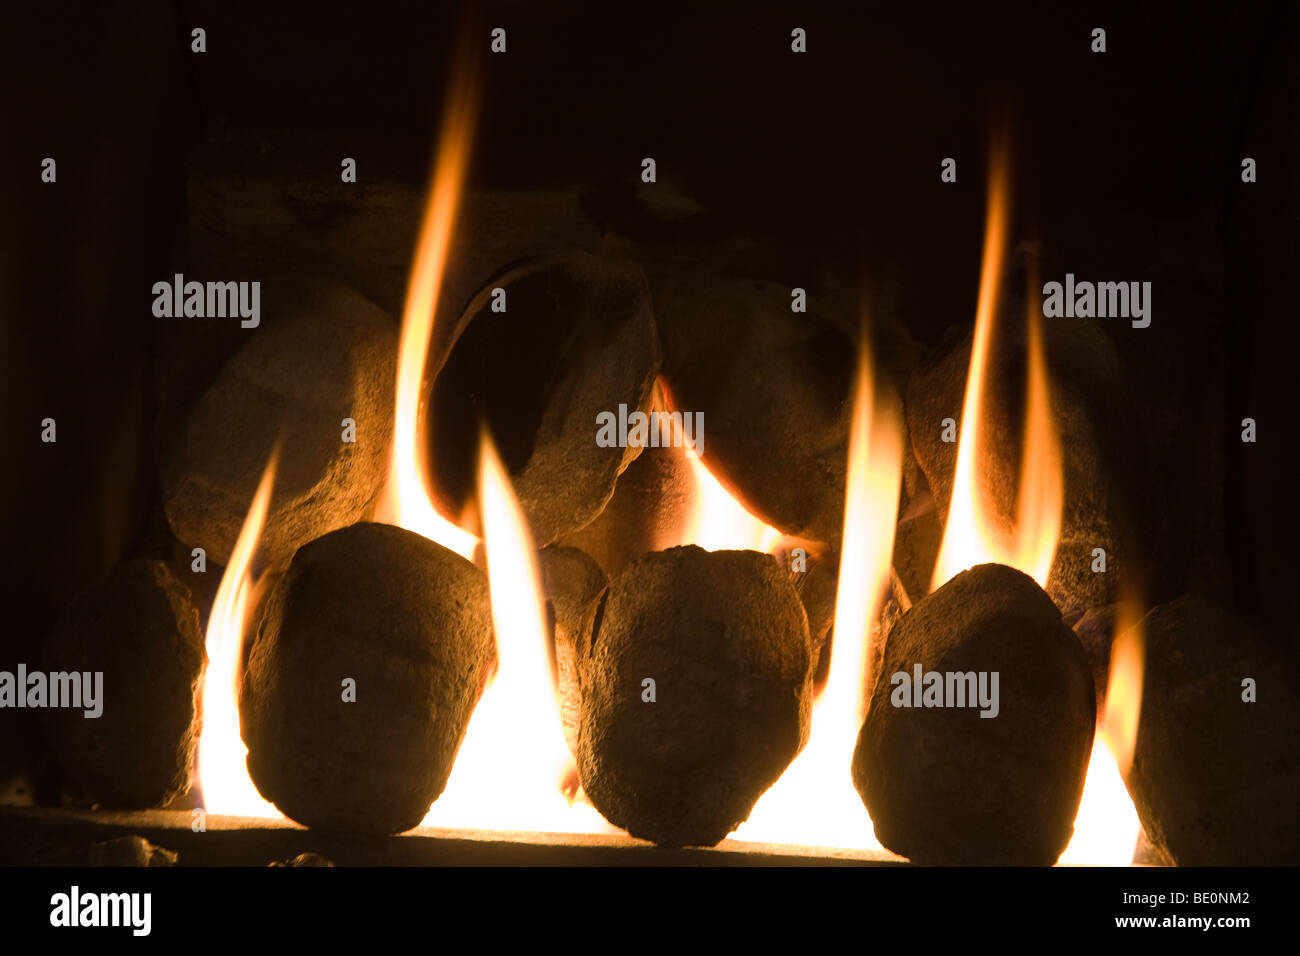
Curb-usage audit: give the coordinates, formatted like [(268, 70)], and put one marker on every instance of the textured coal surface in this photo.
[(1216, 780), (410, 623), (944, 785), (724, 638)]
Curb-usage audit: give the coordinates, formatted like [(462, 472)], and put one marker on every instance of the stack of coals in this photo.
[(685, 676)]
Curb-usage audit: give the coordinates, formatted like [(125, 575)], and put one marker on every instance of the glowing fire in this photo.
[(513, 760), (223, 771), (720, 522), (1106, 826), (971, 537), (814, 802), (716, 521), (512, 764), (1124, 689)]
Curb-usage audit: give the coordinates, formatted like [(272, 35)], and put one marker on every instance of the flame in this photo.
[(1107, 827), (223, 768), (814, 802), (718, 521), (1041, 494), (1124, 688), (970, 537), (513, 761), (715, 520), (405, 500)]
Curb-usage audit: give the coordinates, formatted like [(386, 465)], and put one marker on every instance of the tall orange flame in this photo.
[(1041, 493), (814, 802), (405, 501), (223, 770), (971, 536)]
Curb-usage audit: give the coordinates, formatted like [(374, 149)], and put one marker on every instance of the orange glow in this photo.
[(405, 501), (970, 536), (716, 521), (1041, 493), (815, 803), (223, 768), (513, 760), (1124, 688), (1107, 827)]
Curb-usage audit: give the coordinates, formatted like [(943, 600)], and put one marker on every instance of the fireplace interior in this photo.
[(522, 436)]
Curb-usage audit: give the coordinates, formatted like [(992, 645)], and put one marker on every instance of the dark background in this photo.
[(1127, 166)]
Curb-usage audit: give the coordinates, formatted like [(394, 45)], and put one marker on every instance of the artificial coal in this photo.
[(943, 783), (317, 378), (572, 582), (137, 627), (407, 625), (567, 337), (696, 692), (1216, 766)]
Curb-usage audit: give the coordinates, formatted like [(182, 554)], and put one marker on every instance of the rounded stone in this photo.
[(724, 639), (1215, 775), (137, 627), (947, 785), (328, 358), (409, 622)]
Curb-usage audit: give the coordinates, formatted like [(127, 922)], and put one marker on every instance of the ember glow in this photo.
[(223, 767), (513, 761), (815, 803), (1106, 826), (720, 522), (716, 521)]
